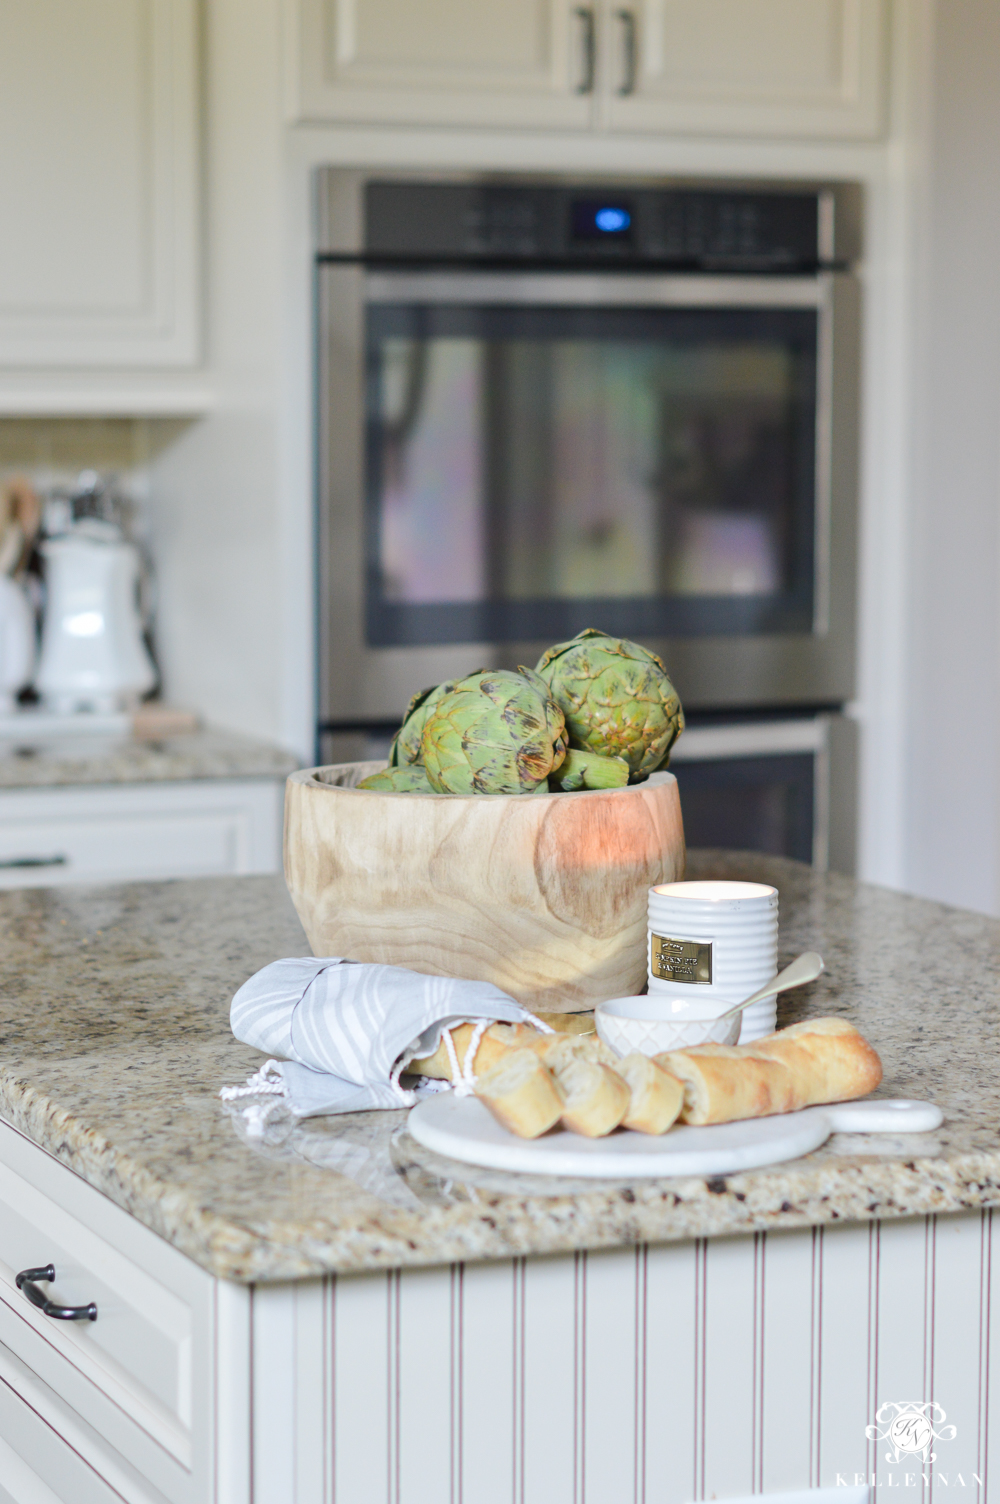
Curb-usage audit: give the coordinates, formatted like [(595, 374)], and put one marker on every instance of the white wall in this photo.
[(215, 491), (953, 715)]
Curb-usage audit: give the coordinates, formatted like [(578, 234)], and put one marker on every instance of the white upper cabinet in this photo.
[(735, 67), (469, 62), (99, 184)]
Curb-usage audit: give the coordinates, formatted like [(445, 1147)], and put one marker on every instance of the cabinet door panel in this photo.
[(497, 62), (98, 182), (138, 832), (767, 67)]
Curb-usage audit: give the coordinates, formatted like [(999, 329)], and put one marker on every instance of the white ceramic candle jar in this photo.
[(710, 945)]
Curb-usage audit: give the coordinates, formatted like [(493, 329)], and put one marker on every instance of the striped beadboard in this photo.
[(652, 1375)]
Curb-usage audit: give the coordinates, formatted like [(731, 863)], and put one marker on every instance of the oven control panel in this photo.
[(684, 229)]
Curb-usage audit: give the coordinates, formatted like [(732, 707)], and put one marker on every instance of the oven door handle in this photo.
[(597, 289)]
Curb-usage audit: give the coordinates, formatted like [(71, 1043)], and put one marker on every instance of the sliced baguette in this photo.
[(824, 1060), (596, 1097), (656, 1096), (521, 1094)]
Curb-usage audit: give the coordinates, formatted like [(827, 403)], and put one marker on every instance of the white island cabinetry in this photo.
[(711, 1368)]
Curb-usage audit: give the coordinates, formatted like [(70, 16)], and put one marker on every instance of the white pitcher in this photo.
[(93, 654)]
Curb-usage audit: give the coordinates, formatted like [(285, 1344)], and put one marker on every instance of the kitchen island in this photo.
[(327, 1310)]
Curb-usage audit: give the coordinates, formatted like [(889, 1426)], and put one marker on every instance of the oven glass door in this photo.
[(549, 451)]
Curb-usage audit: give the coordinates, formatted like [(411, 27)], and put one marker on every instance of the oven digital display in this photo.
[(599, 219)]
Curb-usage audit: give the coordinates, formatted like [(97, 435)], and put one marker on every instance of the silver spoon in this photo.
[(805, 968)]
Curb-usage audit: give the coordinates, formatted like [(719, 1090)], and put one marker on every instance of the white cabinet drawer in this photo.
[(138, 1378), (139, 832), (140, 1343)]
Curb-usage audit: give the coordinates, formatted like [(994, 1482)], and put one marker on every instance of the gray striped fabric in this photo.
[(344, 1030)]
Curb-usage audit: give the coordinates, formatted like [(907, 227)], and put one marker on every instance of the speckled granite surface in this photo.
[(114, 1041), (90, 758)]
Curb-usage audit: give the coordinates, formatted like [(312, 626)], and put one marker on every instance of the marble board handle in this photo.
[(897, 1115)]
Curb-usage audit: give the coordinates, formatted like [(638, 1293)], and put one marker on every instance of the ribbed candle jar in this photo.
[(710, 944)]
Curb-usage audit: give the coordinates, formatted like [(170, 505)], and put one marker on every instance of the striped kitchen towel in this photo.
[(347, 1030)]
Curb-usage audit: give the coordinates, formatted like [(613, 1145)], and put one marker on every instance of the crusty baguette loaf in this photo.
[(656, 1096), (823, 1060), (596, 1097), (497, 1041), (521, 1094)]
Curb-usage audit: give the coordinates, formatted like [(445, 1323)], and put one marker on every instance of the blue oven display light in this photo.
[(612, 221)]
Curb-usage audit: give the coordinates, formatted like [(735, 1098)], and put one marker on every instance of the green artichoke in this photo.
[(616, 697), (493, 733), (409, 780), (406, 743), (588, 770)]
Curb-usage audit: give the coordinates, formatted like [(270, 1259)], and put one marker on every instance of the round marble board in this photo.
[(462, 1128)]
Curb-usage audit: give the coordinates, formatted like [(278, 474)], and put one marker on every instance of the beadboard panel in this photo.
[(722, 1368), (844, 1338), (488, 1396)]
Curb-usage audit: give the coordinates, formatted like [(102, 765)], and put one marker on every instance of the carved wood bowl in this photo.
[(542, 894)]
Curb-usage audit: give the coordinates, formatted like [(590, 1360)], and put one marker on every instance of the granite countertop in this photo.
[(90, 758), (114, 1042)]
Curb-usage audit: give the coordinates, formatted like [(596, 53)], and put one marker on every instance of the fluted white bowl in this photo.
[(637, 1023)]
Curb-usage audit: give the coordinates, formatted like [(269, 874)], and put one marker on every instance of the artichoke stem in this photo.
[(588, 770)]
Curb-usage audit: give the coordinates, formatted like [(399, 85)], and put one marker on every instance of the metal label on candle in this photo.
[(679, 960)]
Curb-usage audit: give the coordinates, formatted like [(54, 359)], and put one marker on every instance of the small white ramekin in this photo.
[(648, 1025)]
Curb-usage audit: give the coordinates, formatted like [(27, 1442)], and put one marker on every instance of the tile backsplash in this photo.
[(53, 450)]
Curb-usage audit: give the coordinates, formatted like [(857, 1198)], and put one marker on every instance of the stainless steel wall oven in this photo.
[(546, 405)]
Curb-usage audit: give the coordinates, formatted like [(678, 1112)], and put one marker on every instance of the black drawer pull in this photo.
[(34, 861), (26, 1281)]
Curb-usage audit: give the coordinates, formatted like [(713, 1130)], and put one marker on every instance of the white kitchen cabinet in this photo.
[(746, 67), (99, 184), (497, 62), (813, 68), (133, 1405), (139, 832)]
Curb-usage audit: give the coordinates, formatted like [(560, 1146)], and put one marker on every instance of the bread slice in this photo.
[(558, 1050), (496, 1042), (521, 1094), (656, 1096), (596, 1097), (822, 1060)]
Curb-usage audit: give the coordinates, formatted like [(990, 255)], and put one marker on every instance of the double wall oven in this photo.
[(546, 405)]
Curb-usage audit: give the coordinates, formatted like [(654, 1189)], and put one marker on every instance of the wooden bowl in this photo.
[(542, 894)]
